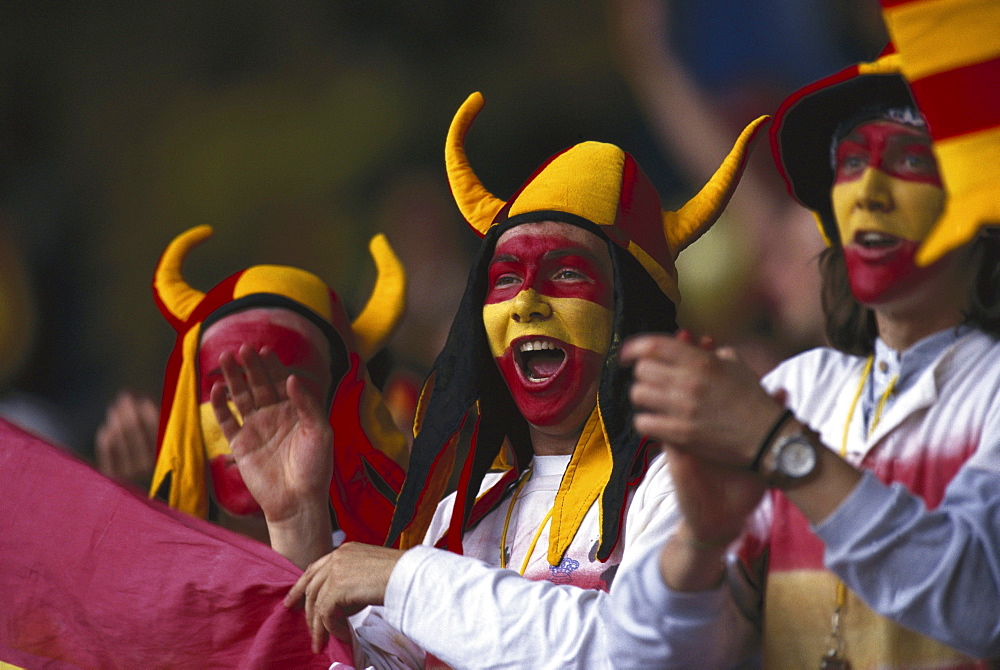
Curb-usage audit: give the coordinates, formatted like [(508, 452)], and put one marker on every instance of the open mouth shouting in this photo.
[(874, 246), (549, 378), (539, 360), (875, 240)]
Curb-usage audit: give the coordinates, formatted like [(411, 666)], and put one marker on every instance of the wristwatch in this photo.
[(792, 457)]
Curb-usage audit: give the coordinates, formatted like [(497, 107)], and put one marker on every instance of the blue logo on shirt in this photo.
[(562, 573)]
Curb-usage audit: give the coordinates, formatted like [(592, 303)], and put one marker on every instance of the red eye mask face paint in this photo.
[(898, 150), (548, 318), (298, 344), (886, 197)]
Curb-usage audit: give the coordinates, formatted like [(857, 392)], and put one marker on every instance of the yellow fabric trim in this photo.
[(8, 666), (585, 180), (938, 35), (586, 476), (505, 458), (822, 230), (665, 279), (422, 400), (567, 315), (888, 64), (378, 425), (973, 200), (293, 283), (182, 454)]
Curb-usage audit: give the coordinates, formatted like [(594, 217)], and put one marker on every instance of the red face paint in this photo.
[(898, 150), (553, 265), (574, 380), (230, 491), (298, 344), (305, 352), (877, 276), (548, 317)]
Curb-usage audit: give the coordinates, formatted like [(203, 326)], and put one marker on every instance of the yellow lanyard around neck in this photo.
[(506, 524), (876, 416)]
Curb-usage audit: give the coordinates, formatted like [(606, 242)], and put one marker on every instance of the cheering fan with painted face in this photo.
[(526, 409), (877, 459)]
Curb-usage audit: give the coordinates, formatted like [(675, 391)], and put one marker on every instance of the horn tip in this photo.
[(197, 234), (377, 243)]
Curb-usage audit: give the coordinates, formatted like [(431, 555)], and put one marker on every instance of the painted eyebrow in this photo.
[(504, 258), (572, 251), (555, 253)]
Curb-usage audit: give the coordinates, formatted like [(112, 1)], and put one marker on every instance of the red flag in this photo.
[(95, 575)]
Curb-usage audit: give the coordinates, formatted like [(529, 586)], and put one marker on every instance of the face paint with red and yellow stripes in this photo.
[(300, 346), (548, 317), (887, 195)]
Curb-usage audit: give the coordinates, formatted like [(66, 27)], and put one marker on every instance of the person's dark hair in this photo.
[(850, 326)]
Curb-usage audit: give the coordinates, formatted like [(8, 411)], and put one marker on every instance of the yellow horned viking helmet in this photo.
[(181, 457), (369, 331), (604, 185)]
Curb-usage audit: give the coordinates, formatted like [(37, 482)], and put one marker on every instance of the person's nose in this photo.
[(529, 305), (874, 191)]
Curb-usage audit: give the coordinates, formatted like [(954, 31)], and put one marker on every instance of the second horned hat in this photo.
[(604, 185)]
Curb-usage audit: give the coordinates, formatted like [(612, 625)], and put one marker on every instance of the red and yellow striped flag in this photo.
[(950, 53)]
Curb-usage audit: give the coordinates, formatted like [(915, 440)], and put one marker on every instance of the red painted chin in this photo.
[(550, 401), (880, 273), (230, 491)]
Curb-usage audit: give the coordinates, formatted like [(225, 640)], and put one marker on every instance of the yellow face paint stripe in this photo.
[(216, 443), (928, 196), (564, 324)]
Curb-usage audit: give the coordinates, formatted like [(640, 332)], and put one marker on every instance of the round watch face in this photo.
[(796, 456)]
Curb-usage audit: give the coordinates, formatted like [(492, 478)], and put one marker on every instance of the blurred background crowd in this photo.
[(300, 128)]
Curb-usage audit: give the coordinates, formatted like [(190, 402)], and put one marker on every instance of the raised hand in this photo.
[(283, 446), (698, 400), (125, 443)]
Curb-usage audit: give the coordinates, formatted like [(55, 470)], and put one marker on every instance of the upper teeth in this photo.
[(868, 238), (537, 345)]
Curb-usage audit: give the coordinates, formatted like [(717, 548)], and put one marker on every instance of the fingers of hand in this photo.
[(276, 372), (297, 593), (236, 382), (223, 415), (644, 346), (106, 448), (662, 428), (307, 408), (149, 411), (262, 389), (323, 595), (140, 419), (125, 444)]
